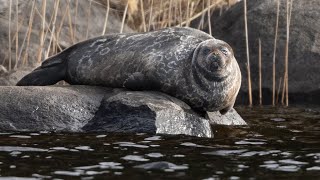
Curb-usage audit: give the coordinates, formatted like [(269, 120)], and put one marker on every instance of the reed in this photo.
[(70, 23), (9, 35), (286, 77), (209, 17), (56, 7), (75, 20), (42, 32), (25, 57), (260, 75), (150, 16), (88, 19), (188, 13), (180, 13), (17, 35), (143, 16), (279, 87), (106, 18), (27, 32), (247, 50), (169, 15), (124, 17), (274, 55)]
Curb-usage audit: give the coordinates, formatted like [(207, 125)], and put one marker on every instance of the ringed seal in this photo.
[(183, 62)]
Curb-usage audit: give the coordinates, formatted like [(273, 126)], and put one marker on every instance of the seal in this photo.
[(183, 62)]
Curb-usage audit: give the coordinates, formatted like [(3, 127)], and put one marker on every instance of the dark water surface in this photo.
[(282, 143)]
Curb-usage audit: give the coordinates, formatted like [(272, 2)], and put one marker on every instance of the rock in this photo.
[(92, 109), (230, 118), (47, 108), (161, 165), (304, 44), (150, 112)]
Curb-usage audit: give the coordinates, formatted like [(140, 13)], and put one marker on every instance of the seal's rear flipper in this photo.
[(50, 72)]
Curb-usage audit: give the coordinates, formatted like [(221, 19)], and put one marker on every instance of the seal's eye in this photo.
[(206, 51), (224, 51)]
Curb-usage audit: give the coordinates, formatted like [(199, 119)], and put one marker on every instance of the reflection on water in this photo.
[(279, 143)]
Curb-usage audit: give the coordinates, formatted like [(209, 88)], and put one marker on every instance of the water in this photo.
[(280, 143)]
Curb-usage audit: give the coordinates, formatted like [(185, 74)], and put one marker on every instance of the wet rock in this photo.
[(92, 109), (161, 165), (304, 44), (150, 112), (48, 108), (230, 118)]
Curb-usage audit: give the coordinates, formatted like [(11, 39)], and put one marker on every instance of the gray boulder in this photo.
[(91, 109), (151, 112), (304, 45)]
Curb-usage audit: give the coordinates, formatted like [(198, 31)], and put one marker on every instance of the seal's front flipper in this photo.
[(50, 72), (138, 81), (226, 109)]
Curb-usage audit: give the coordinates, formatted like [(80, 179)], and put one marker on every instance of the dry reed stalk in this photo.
[(163, 22), (47, 24), (75, 20), (43, 27), (180, 13), (260, 74), (159, 16), (48, 30), (70, 23), (283, 90), (175, 12), (17, 34), (25, 57), (14, 38), (247, 49), (9, 35), (106, 18), (170, 16), (62, 22), (124, 16), (200, 13), (279, 87), (56, 7), (88, 19), (188, 13), (191, 9), (209, 18), (150, 16), (288, 18), (143, 17), (23, 42), (200, 26), (274, 55)]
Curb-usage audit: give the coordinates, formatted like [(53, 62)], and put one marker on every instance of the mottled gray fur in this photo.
[(183, 62)]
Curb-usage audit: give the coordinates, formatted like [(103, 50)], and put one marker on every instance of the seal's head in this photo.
[(216, 71)]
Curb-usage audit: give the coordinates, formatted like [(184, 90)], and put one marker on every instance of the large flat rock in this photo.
[(92, 109)]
